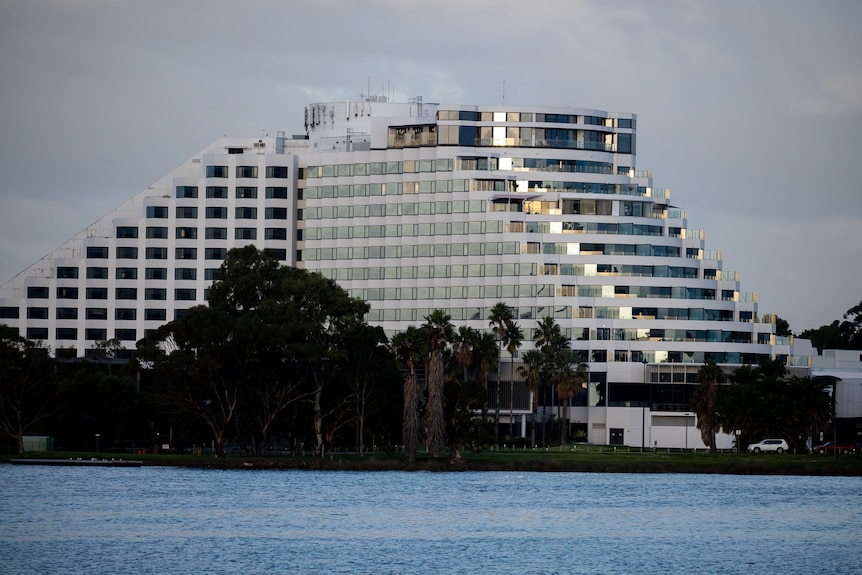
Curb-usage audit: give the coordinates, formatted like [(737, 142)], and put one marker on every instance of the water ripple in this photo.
[(173, 520)]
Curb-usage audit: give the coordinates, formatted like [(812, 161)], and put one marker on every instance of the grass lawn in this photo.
[(585, 458)]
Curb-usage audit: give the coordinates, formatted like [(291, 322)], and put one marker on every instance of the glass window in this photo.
[(156, 273), (126, 313), (187, 233), (158, 233), (276, 171), (160, 212), (127, 253), (246, 192), (246, 213), (67, 293), (187, 212), (125, 334), (246, 171), (152, 314), (276, 193), (624, 143), (155, 294), (67, 333), (216, 171), (97, 273), (96, 313), (67, 273), (97, 293), (185, 273), (37, 333), (217, 192), (37, 313), (216, 233), (9, 312), (211, 274), (97, 252), (214, 253), (184, 294), (37, 292), (127, 273), (96, 334), (157, 253), (127, 293), (276, 213), (275, 234), (187, 191), (127, 232), (216, 212), (245, 233), (186, 253)]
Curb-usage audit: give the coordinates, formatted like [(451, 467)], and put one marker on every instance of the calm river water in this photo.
[(165, 520)]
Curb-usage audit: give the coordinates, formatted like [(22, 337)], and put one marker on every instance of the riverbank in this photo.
[(594, 460)]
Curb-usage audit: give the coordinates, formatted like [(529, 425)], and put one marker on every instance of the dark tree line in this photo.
[(279, 356), (761, 402), (282, 355), (29, 393), (86, 404), (840, 334)]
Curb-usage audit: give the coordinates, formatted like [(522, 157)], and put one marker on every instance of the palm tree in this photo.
[(569, 383), (498, 319), (772, 369), (440, 330), (464, 341), (514, 338), (407, 347), (485, 356), (531, 370), (705, 400), (549, 340), (547, 335)]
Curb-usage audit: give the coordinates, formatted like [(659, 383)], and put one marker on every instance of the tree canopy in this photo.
[(272, 338), (840, 334), (763, 402)]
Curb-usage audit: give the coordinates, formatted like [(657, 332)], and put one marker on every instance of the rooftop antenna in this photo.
[(504, 92)]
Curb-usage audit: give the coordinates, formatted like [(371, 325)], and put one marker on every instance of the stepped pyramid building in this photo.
[(416, 206)]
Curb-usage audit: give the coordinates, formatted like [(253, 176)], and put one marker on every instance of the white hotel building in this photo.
[(416, 206)]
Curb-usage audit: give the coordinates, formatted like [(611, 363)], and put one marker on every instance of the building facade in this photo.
[(415, 207)]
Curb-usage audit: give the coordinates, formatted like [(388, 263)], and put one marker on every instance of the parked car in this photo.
[(833, 447), (776, 445)]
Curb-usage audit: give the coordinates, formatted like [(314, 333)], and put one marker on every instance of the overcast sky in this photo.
[(749, 111)]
